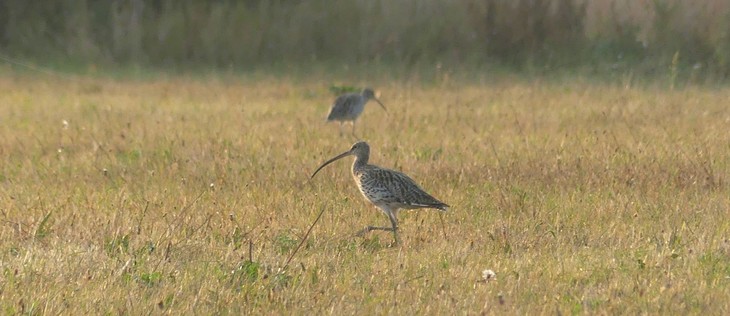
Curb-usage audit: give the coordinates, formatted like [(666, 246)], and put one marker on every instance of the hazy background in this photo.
[(646, 36)]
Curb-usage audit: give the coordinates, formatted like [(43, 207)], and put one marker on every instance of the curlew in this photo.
[(348, 107), (389, 190)]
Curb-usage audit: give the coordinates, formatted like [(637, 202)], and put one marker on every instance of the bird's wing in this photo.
[(404, 190), (341, 106)]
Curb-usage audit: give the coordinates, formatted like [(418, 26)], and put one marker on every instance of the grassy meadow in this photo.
[(188, 195)]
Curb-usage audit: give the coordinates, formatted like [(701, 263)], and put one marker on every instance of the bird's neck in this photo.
[(360, 162)]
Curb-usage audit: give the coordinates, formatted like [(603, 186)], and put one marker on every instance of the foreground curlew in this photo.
[(349, 106), (389, 190)]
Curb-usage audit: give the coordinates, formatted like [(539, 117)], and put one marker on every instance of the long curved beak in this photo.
[(340, 156), (381, 105)]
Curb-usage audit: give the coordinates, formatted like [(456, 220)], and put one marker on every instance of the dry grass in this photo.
[(187, 196)]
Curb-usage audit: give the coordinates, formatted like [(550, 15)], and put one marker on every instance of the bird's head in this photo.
[(360, 149), (370, 95)]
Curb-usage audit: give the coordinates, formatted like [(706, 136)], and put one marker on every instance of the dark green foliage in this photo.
[(248, 270), (43, 228), (150, 279), (244, 34), (342, 89), (285, 243)]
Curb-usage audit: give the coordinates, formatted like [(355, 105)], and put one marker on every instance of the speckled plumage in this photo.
[(348, 107), (387, 189), (393, 189)]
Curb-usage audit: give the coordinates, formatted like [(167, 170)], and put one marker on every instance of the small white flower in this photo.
[(65, 124), (212, 185), (488, 275)]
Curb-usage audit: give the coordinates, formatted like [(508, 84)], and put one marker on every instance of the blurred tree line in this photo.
[(248, 32)]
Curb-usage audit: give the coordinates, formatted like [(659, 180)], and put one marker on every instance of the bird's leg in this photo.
[(394, 222), (353, 131), (368, 229)]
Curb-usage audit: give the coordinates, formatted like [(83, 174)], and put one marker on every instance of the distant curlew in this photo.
[(348, 107), (389, 190)]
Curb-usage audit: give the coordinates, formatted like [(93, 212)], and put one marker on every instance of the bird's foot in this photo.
[(368, 229)]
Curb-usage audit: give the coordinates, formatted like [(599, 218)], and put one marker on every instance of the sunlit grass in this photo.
[(188, 196)]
